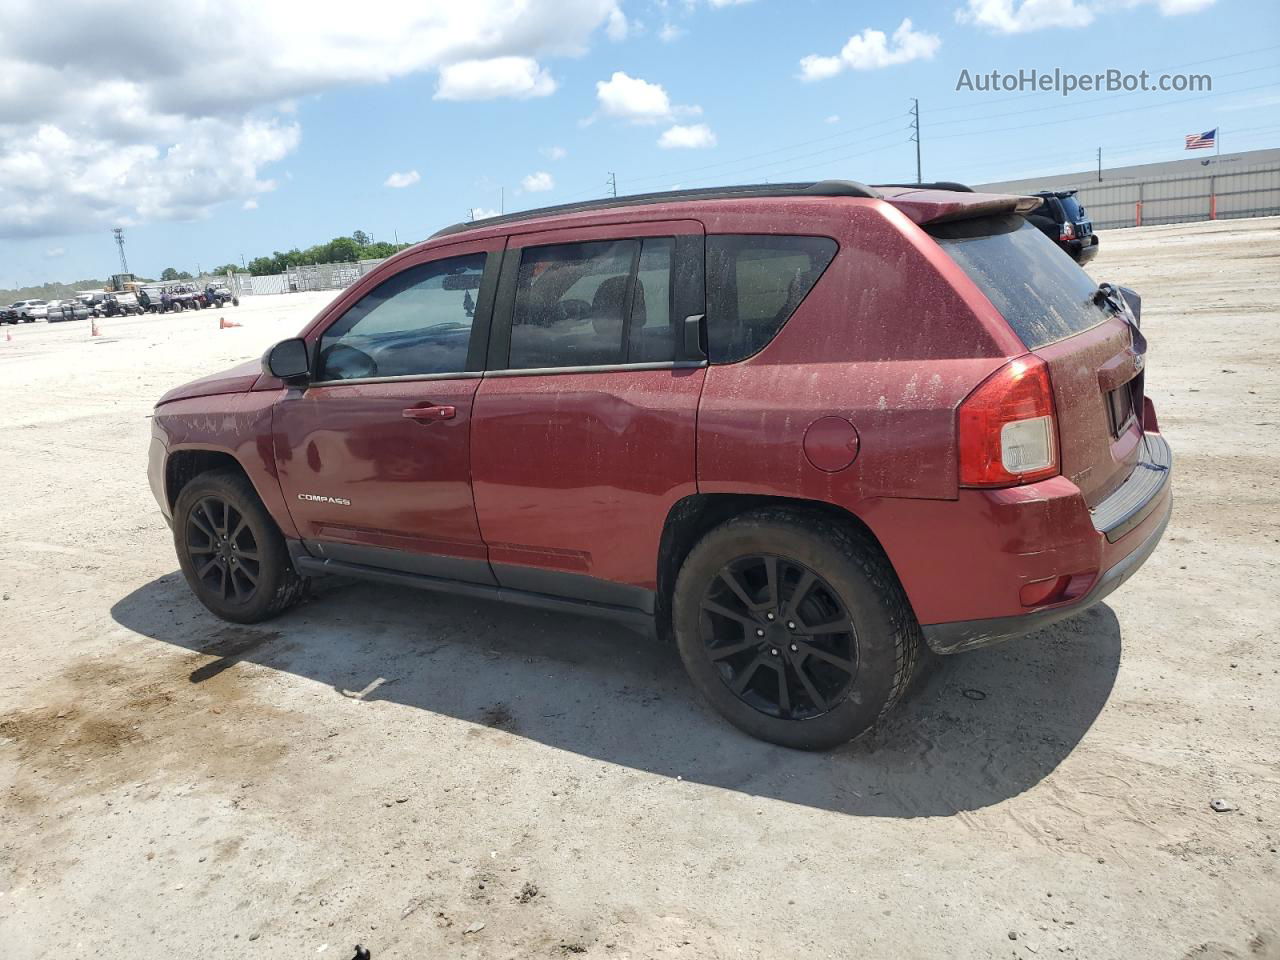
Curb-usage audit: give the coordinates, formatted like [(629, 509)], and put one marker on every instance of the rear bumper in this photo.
[(1082, 251), (1127, 525)]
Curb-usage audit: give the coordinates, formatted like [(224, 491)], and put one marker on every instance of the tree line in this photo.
[(358, 246)]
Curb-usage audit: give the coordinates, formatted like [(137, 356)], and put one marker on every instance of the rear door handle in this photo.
[(431, 413)]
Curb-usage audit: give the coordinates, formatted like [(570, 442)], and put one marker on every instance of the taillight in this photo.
[(1006, 427), (1068, 231)]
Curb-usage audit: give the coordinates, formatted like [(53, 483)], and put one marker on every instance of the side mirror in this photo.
[(288, 360)]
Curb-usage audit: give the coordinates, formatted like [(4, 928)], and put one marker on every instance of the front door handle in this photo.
[(431, 413)]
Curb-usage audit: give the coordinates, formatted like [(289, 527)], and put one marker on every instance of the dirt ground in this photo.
[(442, 778)]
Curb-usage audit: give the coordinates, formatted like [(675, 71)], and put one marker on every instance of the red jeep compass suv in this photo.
[(802, 428)]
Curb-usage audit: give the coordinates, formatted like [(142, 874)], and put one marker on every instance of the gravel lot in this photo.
[(441, 778)]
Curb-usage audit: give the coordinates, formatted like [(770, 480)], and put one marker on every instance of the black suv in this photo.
[(1062, 219)]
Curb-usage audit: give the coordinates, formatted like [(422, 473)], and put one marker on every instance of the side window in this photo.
[(414, 323), (570, 304), (593, 304), (754, 284), (652, 338)]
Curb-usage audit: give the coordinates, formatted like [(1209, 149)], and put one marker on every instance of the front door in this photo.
[(584, 426), (374, 455)]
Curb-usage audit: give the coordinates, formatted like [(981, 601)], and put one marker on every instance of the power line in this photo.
[(1113, 96), (858, 132), (1107, 113), (1036, 93)]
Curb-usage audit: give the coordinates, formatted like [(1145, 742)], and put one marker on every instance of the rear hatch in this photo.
[(1073, 211), (1095, 357)]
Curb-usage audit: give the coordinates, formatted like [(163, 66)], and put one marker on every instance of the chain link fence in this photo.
[(310, 277)]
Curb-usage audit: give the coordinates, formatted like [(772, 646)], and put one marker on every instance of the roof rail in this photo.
[(819, 188), (935, 185)]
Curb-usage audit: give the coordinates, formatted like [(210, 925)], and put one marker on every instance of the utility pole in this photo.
[(915, 134), (119, 235), (613, 184), (502, 200), (1099, 164)]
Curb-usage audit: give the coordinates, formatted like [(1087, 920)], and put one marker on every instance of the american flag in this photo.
[(1202, 141)]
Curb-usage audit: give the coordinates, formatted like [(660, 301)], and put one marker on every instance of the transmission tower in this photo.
[(119, 235)]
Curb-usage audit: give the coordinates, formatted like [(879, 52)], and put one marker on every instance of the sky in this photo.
[(238, 128)]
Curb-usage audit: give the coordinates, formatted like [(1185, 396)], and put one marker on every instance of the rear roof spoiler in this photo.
[(927, 204)]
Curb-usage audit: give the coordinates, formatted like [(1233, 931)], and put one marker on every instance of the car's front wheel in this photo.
[(794, 628), (231, 552)]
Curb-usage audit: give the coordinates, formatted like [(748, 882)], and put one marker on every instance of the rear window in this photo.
[(1036, 287), (754, 284), (1071, 207)]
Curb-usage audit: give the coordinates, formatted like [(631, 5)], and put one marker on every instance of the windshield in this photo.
[(1036, 287)]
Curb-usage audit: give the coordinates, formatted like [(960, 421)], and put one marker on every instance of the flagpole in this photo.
[(1217, 142)]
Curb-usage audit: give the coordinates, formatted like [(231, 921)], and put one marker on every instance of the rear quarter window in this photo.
[(1038, 289), (754, 284)]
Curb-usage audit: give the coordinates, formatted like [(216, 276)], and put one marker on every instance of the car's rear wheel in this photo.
[(795, 629), (231, 552)]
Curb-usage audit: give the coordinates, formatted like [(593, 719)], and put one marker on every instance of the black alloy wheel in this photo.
[(780, 637), (223, 550)]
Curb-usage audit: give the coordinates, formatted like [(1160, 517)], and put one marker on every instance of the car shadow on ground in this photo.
[(977, 728)]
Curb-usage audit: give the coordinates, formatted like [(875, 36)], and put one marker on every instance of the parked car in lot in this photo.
[(1063, 220), (31, 310), (8, 315), (803, 429)]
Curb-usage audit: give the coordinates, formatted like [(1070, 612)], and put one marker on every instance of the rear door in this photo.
[(1095, 361), (584, 426), (374, 455)]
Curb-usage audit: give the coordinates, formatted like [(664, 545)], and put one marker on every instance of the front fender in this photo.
[(235, 424)]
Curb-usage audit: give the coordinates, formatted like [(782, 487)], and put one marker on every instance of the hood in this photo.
[(238, 379)]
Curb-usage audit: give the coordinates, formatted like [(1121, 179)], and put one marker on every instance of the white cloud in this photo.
[(554, 153), (1176, 8), (1022, 16), (633, 99), (669, 33), (250, 204), (728, 3), (834, 118), (617, 25), (537, 182), (483, 213), (399, 180), (91, 137), (637, 101), (872, 50), (695, 136), (55, 252), (517, 77)]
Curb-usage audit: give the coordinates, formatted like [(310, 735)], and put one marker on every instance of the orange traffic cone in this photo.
[(93, 328), (8, 336), (225, 324)]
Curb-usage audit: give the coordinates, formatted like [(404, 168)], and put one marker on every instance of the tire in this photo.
[(220, 575), (853, 583)]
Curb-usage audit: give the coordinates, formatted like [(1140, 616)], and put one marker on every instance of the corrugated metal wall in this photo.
[(1212, 195)]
